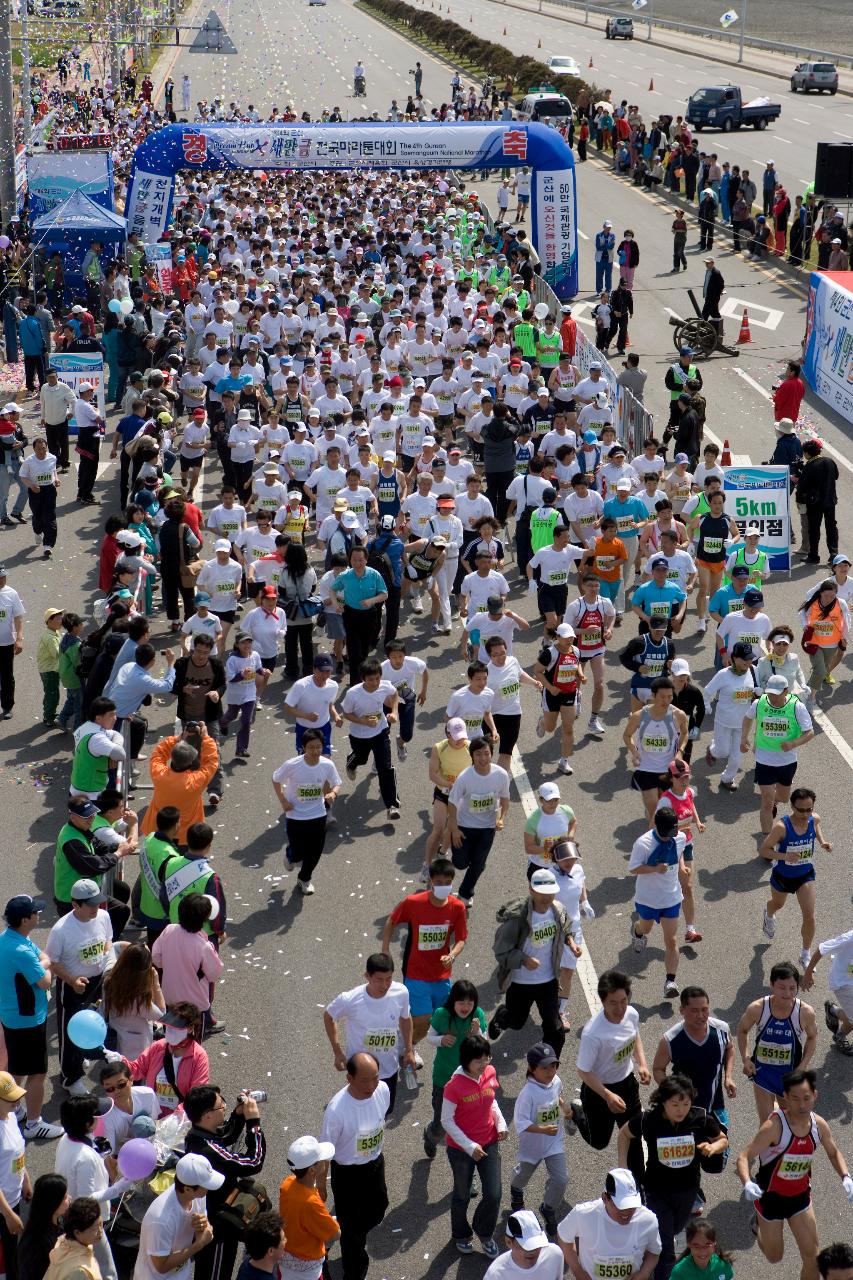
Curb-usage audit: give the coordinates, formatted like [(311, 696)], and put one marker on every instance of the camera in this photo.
[(257, 1095)]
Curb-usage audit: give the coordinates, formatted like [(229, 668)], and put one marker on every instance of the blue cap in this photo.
[(21, 907), (589, 437), (201, 597), (686, 351), (322, 662)]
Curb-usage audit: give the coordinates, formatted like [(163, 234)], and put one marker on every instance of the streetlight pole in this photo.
[(26, 86), (742, 29), (651, 19), (115, 62), (7, 115)]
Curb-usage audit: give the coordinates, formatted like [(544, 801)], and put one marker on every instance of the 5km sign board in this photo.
[(761, 497)]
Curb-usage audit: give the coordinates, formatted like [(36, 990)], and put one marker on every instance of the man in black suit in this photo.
[(712, 291)]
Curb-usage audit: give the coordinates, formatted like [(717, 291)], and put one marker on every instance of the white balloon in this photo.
[(126, 306), (541, 310)]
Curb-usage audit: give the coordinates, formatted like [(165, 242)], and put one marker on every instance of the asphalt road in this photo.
[(287, 956)]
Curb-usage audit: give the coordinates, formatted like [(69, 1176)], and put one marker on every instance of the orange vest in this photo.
[(827, 631)]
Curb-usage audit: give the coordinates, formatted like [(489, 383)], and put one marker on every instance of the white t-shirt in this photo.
[(506, 683), (358, 702), (504, 626), (841, 950), (266, 629), (606, 1048), (193, 438), (304, 785), (661, 889), (605, 1247), (470, 707), (544, 927), (115, 1125), (255, 544), (166, 1228), (526, 491), (538, 1104), (40, 471), (208, 626), (476, 590), (777, 758), (355, 1125), (308, 696), (240, 678), (81, 946), (222, 582), (373, 1024), (734, 694), (406, 680), (227, 522), (584, 512), (549, 1266), (12, 1146), (555, 566), (477, 796), (11, 607), (754, 631)]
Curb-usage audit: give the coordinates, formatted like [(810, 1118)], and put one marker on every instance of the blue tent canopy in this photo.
[(71, 229)]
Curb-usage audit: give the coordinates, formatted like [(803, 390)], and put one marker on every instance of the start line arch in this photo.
[(495, 145)]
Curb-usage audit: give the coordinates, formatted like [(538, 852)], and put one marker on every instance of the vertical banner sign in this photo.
[(160, 258), (77, 368), (761, 496), (828, 361), (553, 227)]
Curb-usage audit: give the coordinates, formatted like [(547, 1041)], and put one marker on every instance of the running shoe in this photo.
[(464, 1246), (639, 941), (307, 889), (516, 1199), (692, 935), (424, 874), (393, 811), (670, 989), (768, 926), (490, 1248), (831, 1018), (842, 1044), (540, 727), (596, 727), (563, 766), (351, 772), (402, 753), (40, 1130)]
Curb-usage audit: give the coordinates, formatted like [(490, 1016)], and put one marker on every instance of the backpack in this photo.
[(378, 559)]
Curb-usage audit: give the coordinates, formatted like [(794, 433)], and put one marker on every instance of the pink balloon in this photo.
[(4, 242), (137, 1159)]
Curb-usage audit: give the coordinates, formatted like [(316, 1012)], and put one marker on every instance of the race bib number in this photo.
[(823, 627), (308, 793), (612, 1268), (548, 1115), (482, 804), (473, 722), (742, 695), (624, 522), (385, 493), (510, 690), (620, 1055), (604, 563), (713, 545), (677, 1153), (542, 934), (166, 1095), (557, 578), (774, 1055), (227, 588), (382, 1038), (46, 477), (793, 1167), (659, 609), (92, 952), (370, 1144), (591, 636), (774, 728), (655, 744), (432, 937), (17, 1164)]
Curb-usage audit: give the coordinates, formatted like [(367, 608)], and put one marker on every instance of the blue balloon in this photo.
[(114, 305), (87, 1029)]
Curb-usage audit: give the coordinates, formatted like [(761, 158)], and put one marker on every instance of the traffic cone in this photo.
[(504, 30), (726, 457), (651, 86), (744, 336), (590, 60), (539, 43)]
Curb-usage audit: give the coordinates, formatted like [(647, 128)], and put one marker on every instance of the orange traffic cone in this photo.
[(744, 336), (651, 86), (726, 456), (590, 60)]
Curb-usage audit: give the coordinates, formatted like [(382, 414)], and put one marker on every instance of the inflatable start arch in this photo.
[(369, 146)]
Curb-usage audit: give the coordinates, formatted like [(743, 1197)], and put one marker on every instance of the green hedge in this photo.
[(462, 45)]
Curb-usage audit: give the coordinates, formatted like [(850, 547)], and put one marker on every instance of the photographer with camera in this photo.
[(232, 1206)]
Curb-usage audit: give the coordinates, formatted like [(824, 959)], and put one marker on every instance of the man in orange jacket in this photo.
[(180, 775), (568, 331)]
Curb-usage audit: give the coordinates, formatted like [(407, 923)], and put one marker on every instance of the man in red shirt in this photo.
[(789, 393), (432, 916), (568, 331)]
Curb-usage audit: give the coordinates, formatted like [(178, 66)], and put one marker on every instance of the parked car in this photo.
[(815, 75), (619, 29), (542, 104), (561, 66), (721, 106)]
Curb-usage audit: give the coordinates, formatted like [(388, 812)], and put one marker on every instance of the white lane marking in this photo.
[(840, 135), (733, 308), (582, 235), (837, 739), (839, 457), (787, 141), (805, 122), (585, 968)]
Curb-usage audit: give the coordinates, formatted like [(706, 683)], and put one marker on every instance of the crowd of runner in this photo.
[(358, 433)]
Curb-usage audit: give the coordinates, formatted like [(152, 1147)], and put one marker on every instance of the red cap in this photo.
[(269, 591), (395, 382), (199, 413)]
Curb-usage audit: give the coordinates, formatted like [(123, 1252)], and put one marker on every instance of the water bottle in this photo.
[(257, 1095), (410, 1079)]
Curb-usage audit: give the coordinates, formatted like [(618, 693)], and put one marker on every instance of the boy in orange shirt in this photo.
[(605, 558), (308, 1226)]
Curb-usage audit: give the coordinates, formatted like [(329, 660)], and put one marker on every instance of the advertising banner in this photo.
[(828, 361), (54, 176), (160, 257), (81, 367), (493, 145), (761, 496)]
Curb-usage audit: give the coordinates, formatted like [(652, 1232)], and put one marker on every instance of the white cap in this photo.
[(389, 456), (244, 415), (197, 1171), (525, 1229), (776, 684), (456, 728), (565, 631), (349, 520), (127, 538), (306, 1151), (222, 544), (84, 386), (622, 1189), (544, 881), (549, 791), (752, 531), (623, 484), (680, 667)]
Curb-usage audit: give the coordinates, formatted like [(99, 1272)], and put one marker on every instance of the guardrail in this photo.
[(123, 787), (729, 37)]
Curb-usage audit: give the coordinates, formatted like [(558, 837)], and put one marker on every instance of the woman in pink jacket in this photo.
[(174, 1065)]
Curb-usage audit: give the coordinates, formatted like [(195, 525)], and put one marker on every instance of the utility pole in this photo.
[(115, 61), (26, 95), (7, 115), (743, 29)]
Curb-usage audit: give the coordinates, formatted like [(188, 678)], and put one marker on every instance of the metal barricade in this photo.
[(123, 787)]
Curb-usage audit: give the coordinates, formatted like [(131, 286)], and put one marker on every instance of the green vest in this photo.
[(542, 529), (524, 336), (548, 349), (153, 854), (501, 279), (64, 875), (88, 772), (681, 379), (523, 299), (757, 570), (186, 875), (775, 725)]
